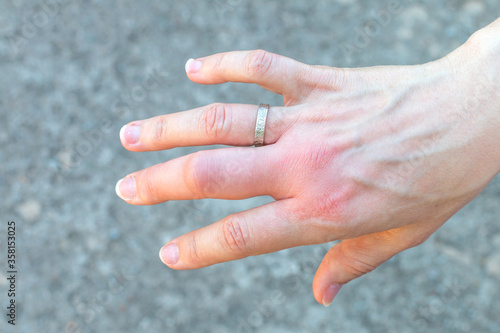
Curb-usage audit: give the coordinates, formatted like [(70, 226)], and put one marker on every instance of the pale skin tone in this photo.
[(376, 157)]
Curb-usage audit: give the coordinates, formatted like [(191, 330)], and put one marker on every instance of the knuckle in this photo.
[(194, 249), (219, 62), (235, 236), (356, 268), (259, 63), (201, 176), (148, 185), (192, 177), (312, 157), (214, 121), (160, 129), (356, 265), (333, 78)]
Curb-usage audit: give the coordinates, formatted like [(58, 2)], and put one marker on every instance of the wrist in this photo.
[(484, 46), (475, 76), (489, 45)]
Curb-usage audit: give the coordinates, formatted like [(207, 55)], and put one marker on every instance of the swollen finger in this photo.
[(227, 173)]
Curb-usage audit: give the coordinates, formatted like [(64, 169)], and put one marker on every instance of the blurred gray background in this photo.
[(72, 72)]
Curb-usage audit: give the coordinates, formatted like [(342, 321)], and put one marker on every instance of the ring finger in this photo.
[(230, 124)]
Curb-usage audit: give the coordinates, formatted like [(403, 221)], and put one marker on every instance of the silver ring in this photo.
[(260, 125)]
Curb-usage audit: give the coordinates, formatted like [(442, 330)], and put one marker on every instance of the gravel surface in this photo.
[(74, 71)]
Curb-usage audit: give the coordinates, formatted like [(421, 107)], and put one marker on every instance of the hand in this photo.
[(377, 157)]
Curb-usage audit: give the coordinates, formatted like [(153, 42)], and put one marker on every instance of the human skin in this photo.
[(376, 157)]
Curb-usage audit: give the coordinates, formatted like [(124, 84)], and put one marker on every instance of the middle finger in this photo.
[(226, 173)]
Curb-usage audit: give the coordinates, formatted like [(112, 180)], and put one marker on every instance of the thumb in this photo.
[(355, 257)]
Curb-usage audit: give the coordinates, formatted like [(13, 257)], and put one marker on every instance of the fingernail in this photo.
[(125, 188), (170, 254), (130, 134), (330, 294), (193, 66)]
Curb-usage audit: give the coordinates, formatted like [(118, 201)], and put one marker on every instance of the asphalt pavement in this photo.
[(72, 72)]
